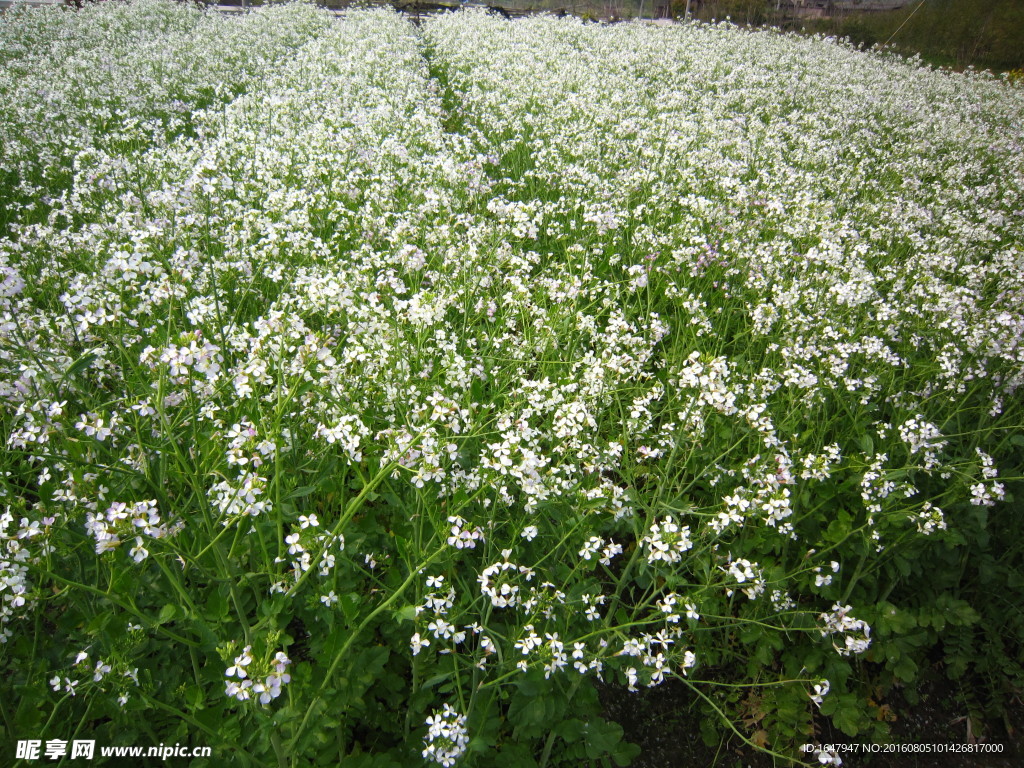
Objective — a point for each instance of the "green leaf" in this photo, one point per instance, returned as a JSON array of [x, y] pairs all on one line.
[[408, 613], [437, 679], [194, 697], [217, 606], [837, 531], [847, 718], [79, 365], [349, 606], [709, 731], [270, 608], [301, 492], [167, 613], [570, 730], [625, 753], [99, 622], [893, 621], [602, 738], [905, 669]]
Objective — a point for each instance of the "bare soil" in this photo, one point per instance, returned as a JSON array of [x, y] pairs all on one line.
[[664, 721]]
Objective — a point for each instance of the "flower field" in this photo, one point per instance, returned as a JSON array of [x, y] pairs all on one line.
[[372, 392]]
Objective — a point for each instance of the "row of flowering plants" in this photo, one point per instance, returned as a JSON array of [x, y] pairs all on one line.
[[838, 262], [83, 94], [389, 389]]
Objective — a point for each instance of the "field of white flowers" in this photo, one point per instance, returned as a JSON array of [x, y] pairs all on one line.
[[370, 391]]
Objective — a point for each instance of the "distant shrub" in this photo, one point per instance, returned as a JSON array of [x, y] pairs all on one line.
[[985, 34]]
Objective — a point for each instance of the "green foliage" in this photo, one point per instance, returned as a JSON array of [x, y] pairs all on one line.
[[380, 411], [985, 34], [746, 12]]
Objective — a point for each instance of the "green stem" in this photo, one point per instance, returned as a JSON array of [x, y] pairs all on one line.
[[214, 736], [353, 506], [125, 607], [783, 759], [550, 741], [343, 653], [177, 586], [275, 740], [856, 576], [81, 722]]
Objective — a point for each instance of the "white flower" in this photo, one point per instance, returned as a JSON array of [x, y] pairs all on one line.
[[441, 629], [100, 670], [241, 662], [462, 537], [667, 541], [829, 757], [447, 738], [631, 679], [821, 690], [856, 632], [592, 545], [138, 552], [417, 643]]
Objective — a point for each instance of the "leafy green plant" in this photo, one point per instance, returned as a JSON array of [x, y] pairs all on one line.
[[437, 376]]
